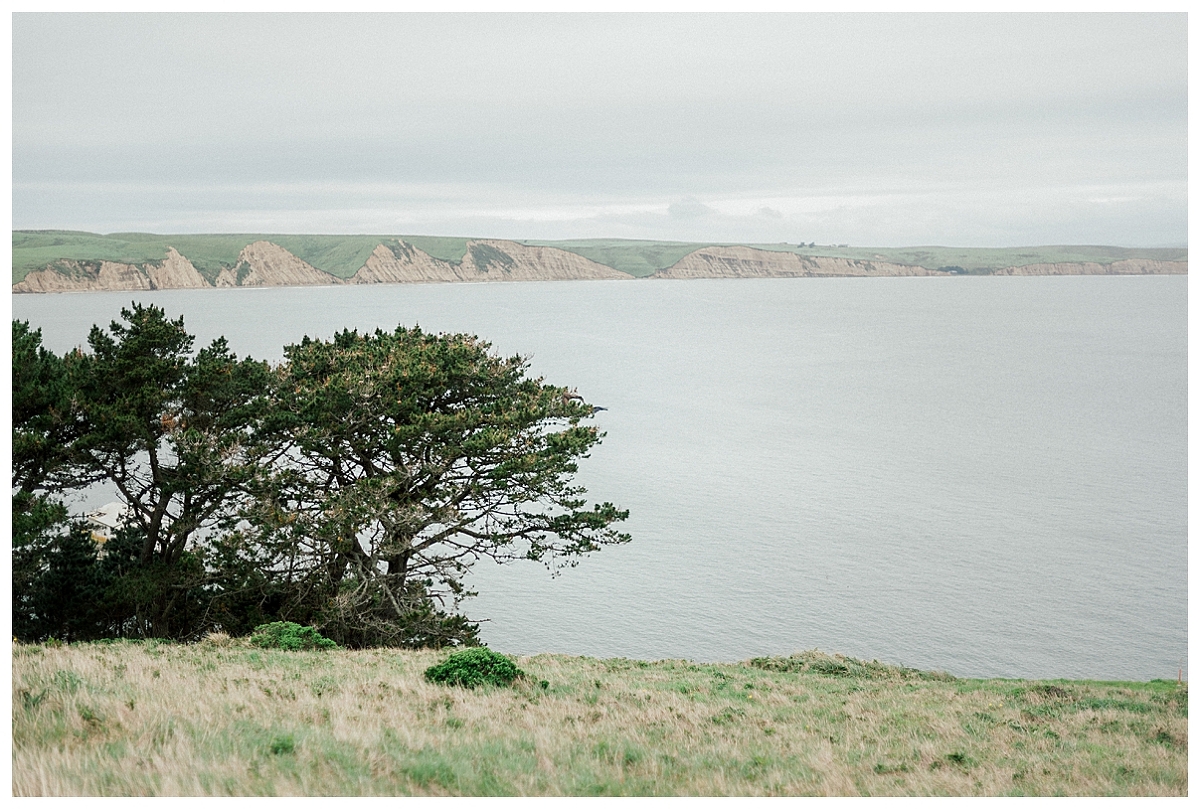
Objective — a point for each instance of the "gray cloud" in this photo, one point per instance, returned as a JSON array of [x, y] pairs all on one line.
[[908, 128], [690, 208]]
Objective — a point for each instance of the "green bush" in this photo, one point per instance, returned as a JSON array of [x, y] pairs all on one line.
[[472, 667], [289, 637]]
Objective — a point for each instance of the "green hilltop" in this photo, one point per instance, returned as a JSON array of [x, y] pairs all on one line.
[[343, 255], [209, 253]]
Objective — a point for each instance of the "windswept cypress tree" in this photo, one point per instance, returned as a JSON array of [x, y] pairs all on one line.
[[351, 487], [401, 459], [162, 426]]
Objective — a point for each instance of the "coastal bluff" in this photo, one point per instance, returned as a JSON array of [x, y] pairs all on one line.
[[67, 261], [485, 260], [265, 264], [748, 262]]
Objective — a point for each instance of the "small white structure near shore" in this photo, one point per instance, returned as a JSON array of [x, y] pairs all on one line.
[[105, 521]]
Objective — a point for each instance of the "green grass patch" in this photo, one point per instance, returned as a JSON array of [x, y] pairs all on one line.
[[636, 257], [446, 248]]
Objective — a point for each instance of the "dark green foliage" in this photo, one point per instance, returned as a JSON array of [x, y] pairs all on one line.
[[410, 457], [290, 637], [37, 524], [420, 623], [163, 427], [65, 600], [167, 429], [473, 667], [41, 419], [77, 594], [155, 599], [350, 488], [42, 430]]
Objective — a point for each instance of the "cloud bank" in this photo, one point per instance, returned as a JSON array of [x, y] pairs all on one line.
[[870, 129]]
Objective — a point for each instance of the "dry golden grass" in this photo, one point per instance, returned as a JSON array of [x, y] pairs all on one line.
[[219, 718]]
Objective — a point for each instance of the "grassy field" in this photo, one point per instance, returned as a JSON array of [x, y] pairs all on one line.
[[342, 256], [225, 719]]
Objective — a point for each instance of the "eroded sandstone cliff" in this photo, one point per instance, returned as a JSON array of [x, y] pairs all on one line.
[[265, 264], [174, 272], [749, 262], [485, 260], [1132, 266], [402, 263]]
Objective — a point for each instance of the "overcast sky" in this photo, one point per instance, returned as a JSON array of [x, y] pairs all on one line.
[[882, 130]]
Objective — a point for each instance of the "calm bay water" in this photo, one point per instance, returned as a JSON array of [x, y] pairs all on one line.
[[981, 475]]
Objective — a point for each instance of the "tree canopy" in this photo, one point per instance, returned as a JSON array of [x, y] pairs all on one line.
[[350, 487], [399, 459]]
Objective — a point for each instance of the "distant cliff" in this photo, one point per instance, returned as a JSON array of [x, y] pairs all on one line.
[[1132, 266], [747, 262], [174, 272], [265, 264], [261, 261], [485, 260]]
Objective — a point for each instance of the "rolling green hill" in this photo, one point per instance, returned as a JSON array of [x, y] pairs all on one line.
[[343, 255]]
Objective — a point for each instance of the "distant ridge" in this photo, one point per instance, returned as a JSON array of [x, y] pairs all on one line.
[[61, 261]]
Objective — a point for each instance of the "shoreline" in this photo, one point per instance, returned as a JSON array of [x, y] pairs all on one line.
[[616, 280]]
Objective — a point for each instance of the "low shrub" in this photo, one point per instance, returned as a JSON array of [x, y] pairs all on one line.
[[472, 667], [289, 637], [216, 639], [817, 662]]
